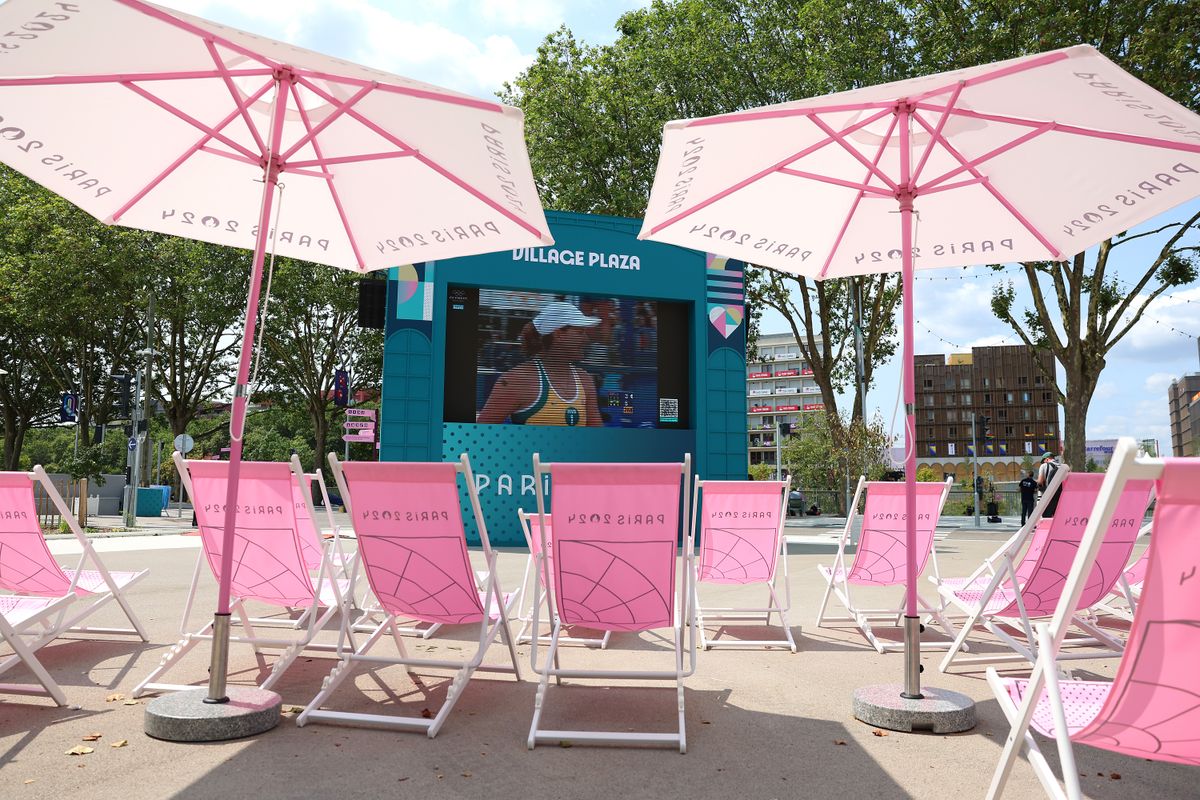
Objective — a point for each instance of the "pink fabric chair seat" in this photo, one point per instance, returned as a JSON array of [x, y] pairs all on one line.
[[16, 610], [1000, 600], [92, 582], [1082, 701], [327, 597]]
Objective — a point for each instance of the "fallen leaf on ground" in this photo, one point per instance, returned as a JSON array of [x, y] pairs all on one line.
[[114, 697], [79, 750], [564, 743], [402, 780], [839, 742], [1116, 776], [92, 737], [705, 722], [466, 774], [119, 743], [291, 709], [878, 732], [426, 713], [29, 781], [132, 703]]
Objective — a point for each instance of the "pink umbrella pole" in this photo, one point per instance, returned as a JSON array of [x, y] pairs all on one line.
[[912, 621], [241, 397]]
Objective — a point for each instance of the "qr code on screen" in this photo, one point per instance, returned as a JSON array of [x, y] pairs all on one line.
[[668, 409]]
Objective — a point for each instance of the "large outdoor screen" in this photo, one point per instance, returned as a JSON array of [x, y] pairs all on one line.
[[534, 358]]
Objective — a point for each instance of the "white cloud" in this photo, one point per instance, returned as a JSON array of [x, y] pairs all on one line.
[[544, 15], [1158, 382], [1105, 390]]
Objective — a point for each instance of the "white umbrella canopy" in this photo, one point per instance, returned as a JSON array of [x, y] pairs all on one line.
[[153, 119], [1039, 158], [150, 118], [1035, 158]]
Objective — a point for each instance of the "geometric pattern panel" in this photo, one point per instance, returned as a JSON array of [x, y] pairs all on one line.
[[411, 539], [740, 530], [268, 565], [616, 585], [26, 565], [882, 557]]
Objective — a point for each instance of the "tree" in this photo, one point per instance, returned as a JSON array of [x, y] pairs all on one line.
[[201, 292], [594, 117], [311, 332], [925, 474], [762, 472], [823, 455], [1081, 310]]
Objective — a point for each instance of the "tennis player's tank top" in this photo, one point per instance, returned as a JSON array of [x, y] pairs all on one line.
[[550, 408]]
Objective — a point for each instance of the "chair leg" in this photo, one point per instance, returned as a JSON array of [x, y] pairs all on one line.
[[25, 655], [824, 600]]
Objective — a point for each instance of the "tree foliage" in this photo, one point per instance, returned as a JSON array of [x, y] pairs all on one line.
[[825, 455]]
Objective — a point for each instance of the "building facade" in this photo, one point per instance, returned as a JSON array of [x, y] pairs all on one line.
[[1002, 383], [1180, 403], [779, 389]]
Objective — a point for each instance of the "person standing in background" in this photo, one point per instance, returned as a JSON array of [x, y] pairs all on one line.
[[1029, 487]]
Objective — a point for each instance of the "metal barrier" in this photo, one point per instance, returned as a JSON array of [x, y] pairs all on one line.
[[47, 511]]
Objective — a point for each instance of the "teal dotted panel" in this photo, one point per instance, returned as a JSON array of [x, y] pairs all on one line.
[[725, 403], [407, 423]]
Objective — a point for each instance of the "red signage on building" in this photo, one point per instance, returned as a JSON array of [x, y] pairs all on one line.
[[813, 406], [787, 408], [786, 373], [759, 409], [806, 371], [760, 374]]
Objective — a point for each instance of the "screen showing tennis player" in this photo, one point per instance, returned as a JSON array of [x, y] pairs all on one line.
[[534, 358]]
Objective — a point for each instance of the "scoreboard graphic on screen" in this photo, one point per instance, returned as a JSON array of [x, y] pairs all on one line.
[[597, 348]]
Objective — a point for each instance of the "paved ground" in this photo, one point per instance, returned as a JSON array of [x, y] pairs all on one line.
[[760, 724]]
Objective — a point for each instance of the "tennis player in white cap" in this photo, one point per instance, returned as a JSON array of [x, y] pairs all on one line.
[[548, 389]]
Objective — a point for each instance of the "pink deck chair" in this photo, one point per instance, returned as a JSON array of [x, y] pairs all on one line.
[[1151, 709], [1122, 600], [413, 548], [533, 540], [28, 568], [1010, 602], [741, 542], [880, 559], [615, 538], [23, 618], [268, 564]]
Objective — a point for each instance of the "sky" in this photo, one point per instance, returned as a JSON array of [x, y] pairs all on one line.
[[474, 46]]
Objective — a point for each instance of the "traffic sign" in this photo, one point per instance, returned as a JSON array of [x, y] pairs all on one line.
[[132, 443], [360, 412], [184, 443], [358, 437], [366, 425], [68, 407]]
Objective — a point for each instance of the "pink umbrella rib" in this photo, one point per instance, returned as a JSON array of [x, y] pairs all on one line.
[[840, 138], [325, 162], [1076, 130], [975, 162], [333, 116], [231, 156], [128, 77], [996, 74], [941, 124], [781, 113], [837, 243], [195, 123], [765, 172], [333, 192], [203, 140], [384, 86], [946, 187], [235, 94], [1004, 201], [426, 161], [862, 187]]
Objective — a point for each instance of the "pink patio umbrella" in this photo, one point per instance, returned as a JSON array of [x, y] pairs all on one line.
[[150, 118], [1035, 158]]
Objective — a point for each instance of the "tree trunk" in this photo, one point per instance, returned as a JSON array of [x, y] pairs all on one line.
[[1075, 407]]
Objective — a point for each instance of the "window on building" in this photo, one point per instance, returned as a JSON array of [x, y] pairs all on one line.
[[952, 416], [928, 401], [1047, 397], [928, 383], [1025, 414], [1008, 397], [951, 431], [987, 383], [964, 383], [1002, 413], [929, 416], [1037, 380], [949, 383], [966, 399], [1023, 380], [1008, 430], [949, 399], [1025, 397], [1029, 430], [987, 399], [1039, 413]]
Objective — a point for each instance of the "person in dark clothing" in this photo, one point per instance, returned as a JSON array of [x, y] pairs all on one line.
[[1028, 486], [1045, 475]]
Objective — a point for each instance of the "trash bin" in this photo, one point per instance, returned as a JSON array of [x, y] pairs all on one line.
[[149, 501], [166, 494]]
